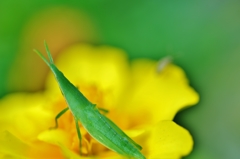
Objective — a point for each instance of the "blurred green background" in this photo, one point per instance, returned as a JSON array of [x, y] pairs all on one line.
[[202, 36]]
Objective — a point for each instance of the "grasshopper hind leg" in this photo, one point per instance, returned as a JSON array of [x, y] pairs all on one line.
[[104, 111], [79, 136]]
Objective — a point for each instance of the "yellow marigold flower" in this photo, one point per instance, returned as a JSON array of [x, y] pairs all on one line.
[[140, 100]]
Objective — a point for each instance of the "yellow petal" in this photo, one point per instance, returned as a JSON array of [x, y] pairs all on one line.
[[104, 67], [55, 137], [67, 153], [10, 146], [24, 114], [166, 140], [13, 147], [23, 117], [157, 95]]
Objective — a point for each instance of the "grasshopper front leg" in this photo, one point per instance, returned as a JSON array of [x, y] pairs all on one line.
[[57, 117], [77, 127]]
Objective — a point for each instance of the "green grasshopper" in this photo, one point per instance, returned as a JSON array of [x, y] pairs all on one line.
[[97, 125]]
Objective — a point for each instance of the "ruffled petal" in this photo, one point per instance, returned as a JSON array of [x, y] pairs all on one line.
[[24, 113], [12, 147], [104, 69], [157, 95], [166, 140]]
